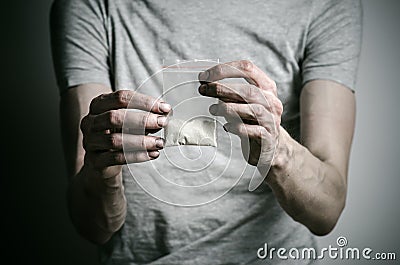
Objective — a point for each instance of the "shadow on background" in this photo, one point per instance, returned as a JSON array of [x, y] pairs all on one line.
[[33, 177]]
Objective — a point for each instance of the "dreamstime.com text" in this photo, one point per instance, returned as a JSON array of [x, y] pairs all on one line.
[[339, 252]]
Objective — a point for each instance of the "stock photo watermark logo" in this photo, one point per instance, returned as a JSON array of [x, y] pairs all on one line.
[[340, 251], [196, 174]]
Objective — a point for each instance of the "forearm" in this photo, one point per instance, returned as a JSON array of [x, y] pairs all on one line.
[[97, 206], [309, 183], [92, 117], [310, 190]]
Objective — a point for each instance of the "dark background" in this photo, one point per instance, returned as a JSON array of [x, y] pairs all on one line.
[[36, 221], [33, 178]]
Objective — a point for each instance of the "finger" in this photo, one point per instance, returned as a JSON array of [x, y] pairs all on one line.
[[241, 93], [251, 151], [119, 141], [233, 92], [239, 69], [126, 119], [112, 158], [247, 112], [243, 130], [127, 99]]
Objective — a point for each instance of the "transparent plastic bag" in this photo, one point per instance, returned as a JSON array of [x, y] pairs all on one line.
[[190, 122]]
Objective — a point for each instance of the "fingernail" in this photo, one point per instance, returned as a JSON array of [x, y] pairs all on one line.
[[202, 89], [213, 109], [161, 121], [154, 154], [159, 143], [164, 107], [203, 76]]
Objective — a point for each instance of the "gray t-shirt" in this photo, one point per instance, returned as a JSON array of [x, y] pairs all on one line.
[[121, 43]]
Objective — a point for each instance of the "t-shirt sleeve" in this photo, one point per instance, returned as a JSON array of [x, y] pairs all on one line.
[[79, 43], [333, 42]]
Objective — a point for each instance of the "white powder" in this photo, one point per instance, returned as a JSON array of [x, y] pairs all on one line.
[[199, 131]]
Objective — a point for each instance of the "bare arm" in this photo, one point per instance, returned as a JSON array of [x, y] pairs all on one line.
[[308, 179], [74, 106], [91, 120]]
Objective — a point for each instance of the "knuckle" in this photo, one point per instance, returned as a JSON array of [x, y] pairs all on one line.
[[115, 117], [115, 141], [88, 158], [268, 94], [227, 108], [279, 107], [269, 99], [144, 121], [242, 130], [251, 92], [148, 104], [273, 85], [101, 96], [84, 142], [94, 102], [258, 110], [148, 121], [219, 69], [122, 97], [219, 89], [143, 143], [84, 126], [136, 156], [118, 157], [247, 65], [261, 132], [147, 101]]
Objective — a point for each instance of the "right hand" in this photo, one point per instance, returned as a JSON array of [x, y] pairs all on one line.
[[104, 139]]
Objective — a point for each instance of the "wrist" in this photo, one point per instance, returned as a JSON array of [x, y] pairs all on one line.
[[97, 185], [282, 157]]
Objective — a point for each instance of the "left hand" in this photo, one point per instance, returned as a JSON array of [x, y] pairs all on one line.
[[253, 111]]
